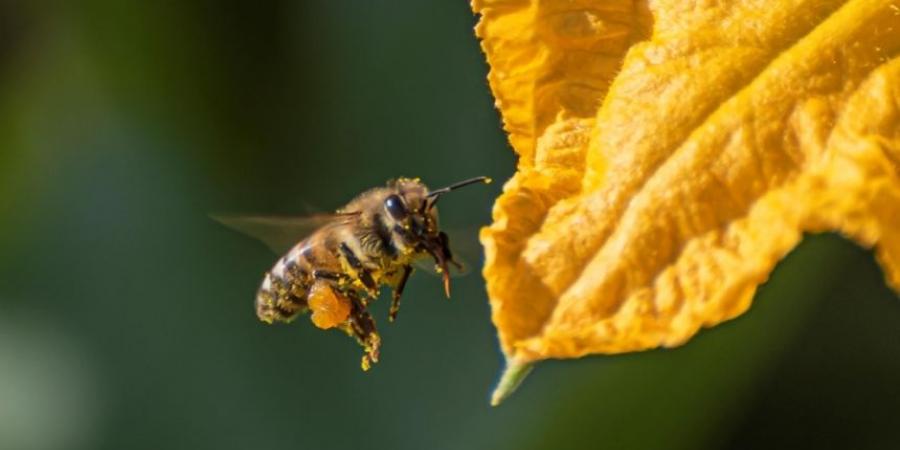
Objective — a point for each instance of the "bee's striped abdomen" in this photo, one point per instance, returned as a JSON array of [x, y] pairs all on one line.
[[282, 295]]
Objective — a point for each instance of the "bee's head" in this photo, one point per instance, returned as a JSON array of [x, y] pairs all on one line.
[[412, 218], [406, 206]]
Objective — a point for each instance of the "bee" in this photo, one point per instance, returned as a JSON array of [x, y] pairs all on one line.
[[336, 271]]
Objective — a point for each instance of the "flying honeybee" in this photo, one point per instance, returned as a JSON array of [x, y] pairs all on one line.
[[337, 269]]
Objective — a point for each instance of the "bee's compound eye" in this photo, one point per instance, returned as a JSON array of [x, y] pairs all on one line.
[[394, 206]]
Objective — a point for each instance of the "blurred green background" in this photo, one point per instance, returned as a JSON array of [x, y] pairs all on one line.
[[126, 317]]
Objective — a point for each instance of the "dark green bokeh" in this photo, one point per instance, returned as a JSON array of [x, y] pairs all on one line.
[[125, 314]]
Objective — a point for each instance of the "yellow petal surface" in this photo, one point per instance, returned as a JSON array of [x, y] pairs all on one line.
[[672, 152]]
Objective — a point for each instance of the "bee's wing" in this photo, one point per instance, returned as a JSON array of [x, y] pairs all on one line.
[[281, 233], [427, 265], [466, 251]]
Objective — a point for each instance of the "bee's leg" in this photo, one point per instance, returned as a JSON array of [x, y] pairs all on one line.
[[445, 247], [326, 275], [361, 271], [398, 291], [363, 329], [340, 281]]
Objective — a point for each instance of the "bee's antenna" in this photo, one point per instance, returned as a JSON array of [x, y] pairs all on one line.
[[444, 190], [435, 195]]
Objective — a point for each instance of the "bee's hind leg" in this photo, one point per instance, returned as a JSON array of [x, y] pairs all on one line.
[[361, 326], [398, 292]]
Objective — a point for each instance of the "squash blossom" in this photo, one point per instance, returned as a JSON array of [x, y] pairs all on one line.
[[671, 153]]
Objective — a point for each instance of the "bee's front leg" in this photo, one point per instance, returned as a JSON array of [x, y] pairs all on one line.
[[398, 291]]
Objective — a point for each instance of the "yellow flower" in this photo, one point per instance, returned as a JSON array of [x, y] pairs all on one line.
[[671, 155]]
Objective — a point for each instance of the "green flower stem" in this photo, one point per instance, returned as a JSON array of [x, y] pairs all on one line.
[[510, 380]]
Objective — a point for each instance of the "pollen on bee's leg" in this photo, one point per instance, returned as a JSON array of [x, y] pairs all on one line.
[[392, 313], [362, 327], [373, 343], [373, 346], [329, 309]]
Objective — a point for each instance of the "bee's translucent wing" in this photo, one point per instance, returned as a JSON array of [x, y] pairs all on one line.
[[427, 265], [466, 251], [280, 233]]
